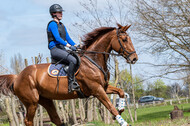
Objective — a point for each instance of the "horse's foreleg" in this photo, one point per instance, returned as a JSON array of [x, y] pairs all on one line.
[[49, 106], [114, 90], [102, 96]]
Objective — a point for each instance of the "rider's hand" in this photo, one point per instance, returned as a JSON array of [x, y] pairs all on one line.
[[73, 48], [78, 46]]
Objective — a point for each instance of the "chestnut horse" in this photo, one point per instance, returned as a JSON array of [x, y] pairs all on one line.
[[34, 86]]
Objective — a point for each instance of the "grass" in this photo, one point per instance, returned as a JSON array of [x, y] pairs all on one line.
[[151, 116], [4, 124], [158, 113], [155, 116]]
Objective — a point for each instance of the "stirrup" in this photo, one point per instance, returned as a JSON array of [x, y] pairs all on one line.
[[73, 87]]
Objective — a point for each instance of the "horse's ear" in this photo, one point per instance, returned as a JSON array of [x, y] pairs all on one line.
[[127, 27], [119, 26]]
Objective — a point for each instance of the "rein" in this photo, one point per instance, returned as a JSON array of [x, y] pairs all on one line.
[[105, 53], [95, 52]]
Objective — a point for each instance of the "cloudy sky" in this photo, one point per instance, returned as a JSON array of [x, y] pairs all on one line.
[[23, 26]]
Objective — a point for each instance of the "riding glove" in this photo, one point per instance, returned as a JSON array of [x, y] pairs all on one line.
[[73, 48], [78, 47]]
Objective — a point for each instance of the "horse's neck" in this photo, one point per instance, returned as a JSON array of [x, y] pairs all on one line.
[[101, 45]]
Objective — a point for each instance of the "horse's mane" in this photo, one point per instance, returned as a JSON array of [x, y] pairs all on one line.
[[91, 37]]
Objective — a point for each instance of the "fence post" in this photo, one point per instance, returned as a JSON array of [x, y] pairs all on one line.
[[26, 62], [41, 116], [9, 112], [187, 99], [73, 111], [47, 59], [82, 111], [153, 103], [63, 112], [95, 108], [15, 117], [170, 101], [21, 118], [90, 110]]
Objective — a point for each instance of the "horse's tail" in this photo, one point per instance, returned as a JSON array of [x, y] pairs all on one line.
[[6, 82]]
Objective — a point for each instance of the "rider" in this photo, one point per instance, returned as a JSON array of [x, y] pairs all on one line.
[[57, 37]]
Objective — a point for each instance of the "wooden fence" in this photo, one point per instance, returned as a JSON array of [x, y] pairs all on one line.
[[165, 102], [71, 112]]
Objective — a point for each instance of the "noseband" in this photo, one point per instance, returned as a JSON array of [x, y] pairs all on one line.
[[122, 53]]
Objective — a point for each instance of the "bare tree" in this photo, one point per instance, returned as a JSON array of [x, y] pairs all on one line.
[[164, 26], [95, 15], [17, 63], [175, 89], [3, 69]]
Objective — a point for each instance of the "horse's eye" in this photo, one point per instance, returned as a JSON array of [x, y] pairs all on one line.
[[125, 40]]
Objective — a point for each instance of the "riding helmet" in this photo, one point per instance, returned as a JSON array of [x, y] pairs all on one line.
[[55, 8]]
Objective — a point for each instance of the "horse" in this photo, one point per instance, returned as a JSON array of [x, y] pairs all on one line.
[[34, 86]]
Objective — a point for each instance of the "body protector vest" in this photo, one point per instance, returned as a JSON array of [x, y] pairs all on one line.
[[61, 30]]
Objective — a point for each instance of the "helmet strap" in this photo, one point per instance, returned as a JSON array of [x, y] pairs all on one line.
[[55, 16]]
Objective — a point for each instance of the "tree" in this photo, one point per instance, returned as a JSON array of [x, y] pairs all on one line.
[[3, 69], [95, 15], [160, 88], [157, 88], [125, 81], [187, 82], [17, 63], [150, 89], [164, 25]]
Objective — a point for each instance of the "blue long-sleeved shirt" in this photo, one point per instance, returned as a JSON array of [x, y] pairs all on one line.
[[52, 27]]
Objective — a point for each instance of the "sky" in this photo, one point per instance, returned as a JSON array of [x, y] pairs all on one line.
[[23, 29], [23, 26]]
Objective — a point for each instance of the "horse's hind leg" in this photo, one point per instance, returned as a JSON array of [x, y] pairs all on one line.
[[102, 96], [114, 90], [50, 108], [31, 109]]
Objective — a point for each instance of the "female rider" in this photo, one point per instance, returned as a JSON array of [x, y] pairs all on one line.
[[58, 38]]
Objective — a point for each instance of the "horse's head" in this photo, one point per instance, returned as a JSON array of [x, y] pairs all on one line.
[[123, 45]]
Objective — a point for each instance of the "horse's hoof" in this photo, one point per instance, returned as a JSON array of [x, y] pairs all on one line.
[[62, 124]]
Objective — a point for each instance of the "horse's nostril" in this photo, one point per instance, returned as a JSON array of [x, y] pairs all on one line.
[[135, 59]]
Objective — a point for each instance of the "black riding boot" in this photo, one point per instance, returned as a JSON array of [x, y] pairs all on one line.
[[73, 85]]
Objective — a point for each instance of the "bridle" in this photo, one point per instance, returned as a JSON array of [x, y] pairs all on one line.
[[122, 53]]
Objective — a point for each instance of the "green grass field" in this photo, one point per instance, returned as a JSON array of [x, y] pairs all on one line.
[[155, 116], [151, 116]]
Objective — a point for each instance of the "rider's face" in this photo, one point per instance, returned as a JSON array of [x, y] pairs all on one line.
[[59, 15]]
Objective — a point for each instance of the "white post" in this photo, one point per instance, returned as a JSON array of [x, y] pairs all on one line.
[[170, 102], [153, 103], [137, 105]]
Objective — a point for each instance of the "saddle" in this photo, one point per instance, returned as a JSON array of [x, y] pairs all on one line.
[[60, 69]]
